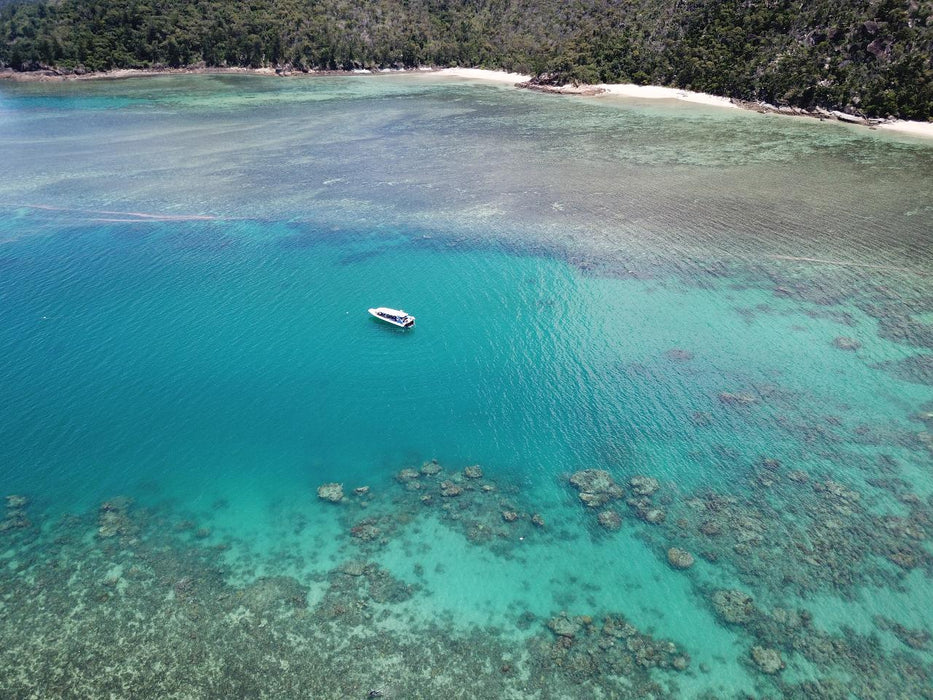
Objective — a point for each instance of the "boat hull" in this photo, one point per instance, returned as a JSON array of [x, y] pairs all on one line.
[[394, 317]]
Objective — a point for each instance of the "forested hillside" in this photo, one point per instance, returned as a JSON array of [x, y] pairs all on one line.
[[870, 57]]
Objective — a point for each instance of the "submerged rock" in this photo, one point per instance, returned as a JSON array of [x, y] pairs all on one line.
[[509, 516], [407, 474], [14, 502], [610, 519], [740, 399], [537, 520], [679, 355], [353, 568], [365, 530], [332, 492], [596, 487], [767, 660], [113, 518], [592, 480], [564, 626], [655, 516], [916, 368], [593, 500], [15, 520], [450, 489], [473, 472], [430, 468], [735, 607], [770, 463], [679, 558], [844, 343], [643, 485]]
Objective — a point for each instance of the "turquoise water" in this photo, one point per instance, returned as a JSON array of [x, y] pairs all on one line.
[[733, 304]]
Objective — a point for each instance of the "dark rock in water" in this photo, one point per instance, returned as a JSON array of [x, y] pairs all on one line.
[[14, 502], [15, 520], [917, 369], [361, 490], [735, 607], [767, 660], [353, 568], [273, 592], [643, 485], [905, 329], [408, 474], [537, 520], [679, 355], [740, 399], [509, 516], [771, 464], [914, 638], [592, 480], [473, 472], [610, 520], [365, 530], [798, 476], [430, 468], [655, 516], [679, 558], [526, 620], [332, 493], [596, 487], [564, 626], [594, 500], [844, 343], [450, 489], [113, 518]]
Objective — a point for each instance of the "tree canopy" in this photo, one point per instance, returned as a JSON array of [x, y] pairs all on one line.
[[870, 57]]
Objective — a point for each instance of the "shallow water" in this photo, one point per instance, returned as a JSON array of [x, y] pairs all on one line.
[[734, 304]]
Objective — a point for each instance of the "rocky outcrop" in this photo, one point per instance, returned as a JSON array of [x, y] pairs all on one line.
[[609, 519], [595, 487], [768, 661], [332, 492], [679, 558], [734, 607]]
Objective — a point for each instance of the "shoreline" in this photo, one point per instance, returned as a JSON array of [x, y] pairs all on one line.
[[656, 92], [916, 129]]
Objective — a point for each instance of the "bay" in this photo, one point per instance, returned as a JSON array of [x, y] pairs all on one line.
[[736, 305]]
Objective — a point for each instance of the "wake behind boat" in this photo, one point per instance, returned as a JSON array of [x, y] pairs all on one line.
[[393, 316]]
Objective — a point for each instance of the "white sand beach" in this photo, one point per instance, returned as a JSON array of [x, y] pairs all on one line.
[[922, 129], [655, 92], [496, 76]]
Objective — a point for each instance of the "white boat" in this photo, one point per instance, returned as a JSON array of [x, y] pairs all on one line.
[[393, 316]]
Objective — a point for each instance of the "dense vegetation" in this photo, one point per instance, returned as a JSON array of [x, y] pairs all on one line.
[[870, 57]]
